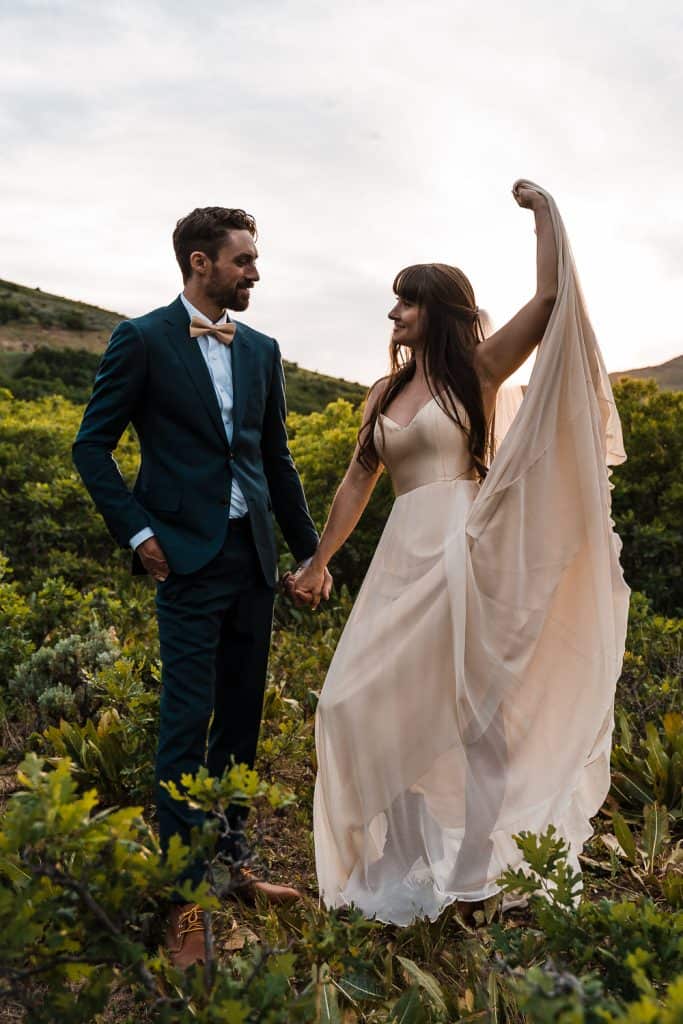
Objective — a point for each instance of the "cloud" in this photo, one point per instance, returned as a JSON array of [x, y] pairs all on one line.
[[363, 137]]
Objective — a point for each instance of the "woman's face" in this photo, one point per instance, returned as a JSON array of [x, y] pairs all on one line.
[[407, 320]]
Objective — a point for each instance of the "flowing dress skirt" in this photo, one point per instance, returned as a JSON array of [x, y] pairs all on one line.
[[471, 693]]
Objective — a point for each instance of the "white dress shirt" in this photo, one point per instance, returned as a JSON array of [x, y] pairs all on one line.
[[218, 359]]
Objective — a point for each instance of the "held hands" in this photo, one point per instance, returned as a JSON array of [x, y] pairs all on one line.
[[307, 586], [153, 559]]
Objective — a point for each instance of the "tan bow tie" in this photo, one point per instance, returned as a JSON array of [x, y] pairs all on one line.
[[224, 332]]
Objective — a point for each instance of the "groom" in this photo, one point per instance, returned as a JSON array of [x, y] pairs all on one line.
[[206, 397]]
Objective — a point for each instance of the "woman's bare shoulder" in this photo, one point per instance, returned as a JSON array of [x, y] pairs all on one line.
[[379, 387], [375, 394]]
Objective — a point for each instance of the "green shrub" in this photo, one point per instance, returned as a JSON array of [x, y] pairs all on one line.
[[15, 615], [10, 309], [648, 492], [47, 519], [69, 372], [648, 769], [57, 702], [71, 662], [80, 897], [114, 752], [628, 942], [74, 320], [651, 682], [322, 445]]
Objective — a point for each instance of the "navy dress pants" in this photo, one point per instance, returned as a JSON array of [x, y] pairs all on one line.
[[214, 635]]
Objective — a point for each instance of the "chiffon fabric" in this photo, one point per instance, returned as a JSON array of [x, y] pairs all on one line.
[[471, 693]]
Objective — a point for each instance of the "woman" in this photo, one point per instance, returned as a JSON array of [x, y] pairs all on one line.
[[471, 694]]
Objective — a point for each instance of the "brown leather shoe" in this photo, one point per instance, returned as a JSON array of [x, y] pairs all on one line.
[[185, 935], [246, 886]]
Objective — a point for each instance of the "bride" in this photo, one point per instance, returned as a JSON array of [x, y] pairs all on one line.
[[471, 694]]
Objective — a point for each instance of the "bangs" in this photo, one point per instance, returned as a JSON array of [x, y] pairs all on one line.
[[409, 284]]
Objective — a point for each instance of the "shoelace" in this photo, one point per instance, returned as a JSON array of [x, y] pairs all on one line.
[[190, 921]]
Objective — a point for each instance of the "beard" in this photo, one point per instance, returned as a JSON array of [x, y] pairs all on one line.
[[229, 296]]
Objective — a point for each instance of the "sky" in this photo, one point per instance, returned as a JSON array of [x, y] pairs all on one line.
[[363, 137]]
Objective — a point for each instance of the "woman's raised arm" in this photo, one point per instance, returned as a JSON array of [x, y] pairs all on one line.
[[504, 352]]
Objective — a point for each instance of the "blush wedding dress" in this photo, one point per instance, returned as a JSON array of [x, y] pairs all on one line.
[[471, 693]]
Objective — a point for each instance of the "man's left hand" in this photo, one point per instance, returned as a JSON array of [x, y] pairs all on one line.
[[308, 586]]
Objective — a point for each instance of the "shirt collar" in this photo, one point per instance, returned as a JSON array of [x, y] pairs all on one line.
[[193, 311]]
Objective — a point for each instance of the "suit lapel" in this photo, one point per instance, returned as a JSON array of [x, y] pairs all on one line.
[[241, 370], [187, 348]]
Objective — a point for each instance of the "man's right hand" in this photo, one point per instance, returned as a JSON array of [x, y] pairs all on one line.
[[153, 559]]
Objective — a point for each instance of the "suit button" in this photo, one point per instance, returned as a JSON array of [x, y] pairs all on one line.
[[225, 502], [231, 456]]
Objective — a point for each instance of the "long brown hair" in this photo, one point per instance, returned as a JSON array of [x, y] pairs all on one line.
[[452, 331]]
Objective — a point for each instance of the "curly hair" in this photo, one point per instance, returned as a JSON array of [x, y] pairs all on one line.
[[205, 230]]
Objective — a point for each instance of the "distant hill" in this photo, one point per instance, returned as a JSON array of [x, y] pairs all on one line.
[[669, 375], [31, 319]]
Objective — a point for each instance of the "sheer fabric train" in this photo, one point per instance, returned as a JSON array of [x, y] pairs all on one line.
[[471, 694]]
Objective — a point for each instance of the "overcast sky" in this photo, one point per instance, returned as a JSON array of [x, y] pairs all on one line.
[[363, 137]]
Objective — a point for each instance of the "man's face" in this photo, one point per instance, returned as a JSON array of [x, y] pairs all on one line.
[[229, 278]]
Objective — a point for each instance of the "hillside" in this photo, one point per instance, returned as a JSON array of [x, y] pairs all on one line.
[[31, 319], [669, 375]]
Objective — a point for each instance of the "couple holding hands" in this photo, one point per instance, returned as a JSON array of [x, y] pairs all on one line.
[[470, 651]]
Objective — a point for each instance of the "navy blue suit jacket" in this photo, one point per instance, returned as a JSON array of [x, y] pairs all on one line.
[[153, 375]]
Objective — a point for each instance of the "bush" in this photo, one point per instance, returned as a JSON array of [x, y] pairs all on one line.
[[114, 751], [72, 663], [629, 944], [322, 445], [651, 682], [80, 895], [10, 309], [74, 320], [47, 519], [57, 702], [71, 368], [648, 769], [648, 492], [15, 614]]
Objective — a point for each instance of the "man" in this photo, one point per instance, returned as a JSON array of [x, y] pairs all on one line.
[[206, 398]]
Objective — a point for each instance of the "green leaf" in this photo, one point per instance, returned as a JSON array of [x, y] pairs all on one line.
[[426, 981], [624, 731], [327, 1002], [655, 832], [409, 1009], [360, 986], [624, 836], [657, 759], [177, 855], [673, 725], [233, 1012], [542, 852]]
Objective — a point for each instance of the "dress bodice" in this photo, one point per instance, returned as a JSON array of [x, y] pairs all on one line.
[[430, 448]]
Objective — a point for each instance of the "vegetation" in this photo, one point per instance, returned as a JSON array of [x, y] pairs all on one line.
[[83, 888], [52, 346], [35, 308], [648, 493]]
